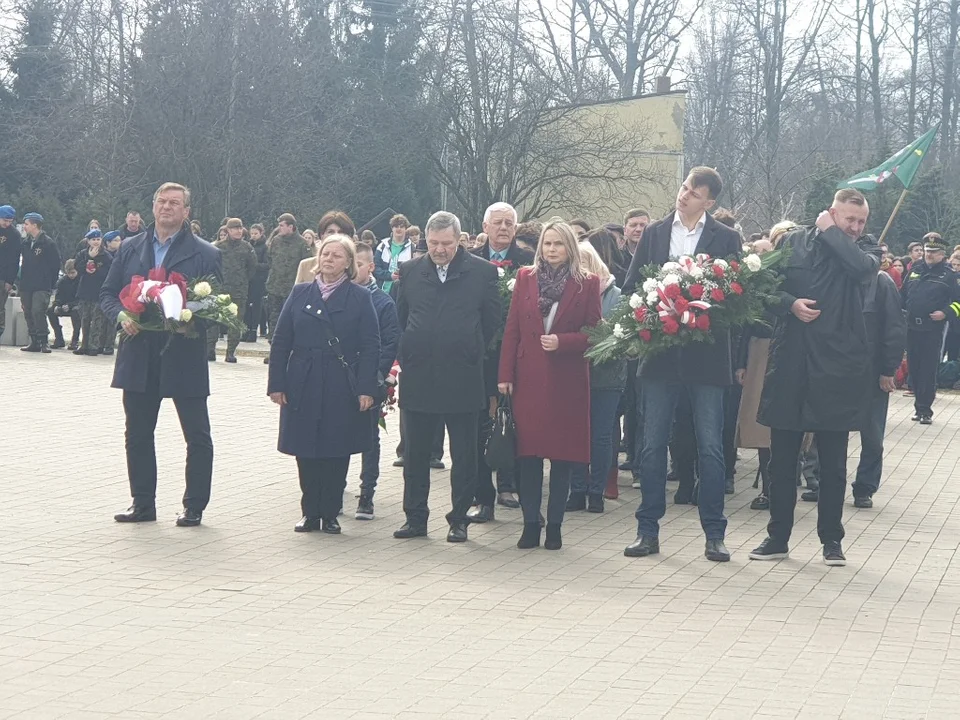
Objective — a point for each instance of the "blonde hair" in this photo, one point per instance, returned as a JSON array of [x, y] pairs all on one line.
[[174, 186], [570, 244], [593, 263], [348, 247], [779, 230]]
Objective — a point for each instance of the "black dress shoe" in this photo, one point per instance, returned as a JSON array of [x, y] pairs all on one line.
[[57, 344], [107, 351], [863, 501], [483, 513], [266, 360], [45, 349], [810, 495], [553, 541], [530, 538], [137, 513], [625, 466], [760, 502], [189, 518], [925, 420], [230, 358], [577, 501], [307, 524], [716, 551], [458, 533], [437, 464], [595, 503], [331, 527], [916, 417], [398, 462], [410, 531], [79, 351], [508, 500], [32, 347], [93, 352], [641, 547]]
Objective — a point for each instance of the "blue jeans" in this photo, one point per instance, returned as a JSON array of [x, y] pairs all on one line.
[[603, 420], [370, 461], [871, 446], [659, 402]]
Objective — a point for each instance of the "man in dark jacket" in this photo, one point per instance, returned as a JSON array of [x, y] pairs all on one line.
[[258, 285], [38, 278], [66, 304], [816, 377], [930, 296], [150, 366], [700, 372], [449, 310], [886, 337], [132, 226], [389, 337], [500, 227], [10, 242]]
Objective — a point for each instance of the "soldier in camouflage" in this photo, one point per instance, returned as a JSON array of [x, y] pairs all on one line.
[[239, 266], [285, 248]]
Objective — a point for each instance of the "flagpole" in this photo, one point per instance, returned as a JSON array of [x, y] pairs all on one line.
[[896, 209]]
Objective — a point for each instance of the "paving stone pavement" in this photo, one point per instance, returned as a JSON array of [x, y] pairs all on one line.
[[241, 618]]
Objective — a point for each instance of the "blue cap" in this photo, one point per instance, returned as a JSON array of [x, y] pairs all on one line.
[[34, 216], [95, 233], [112, 235], [7, 213]]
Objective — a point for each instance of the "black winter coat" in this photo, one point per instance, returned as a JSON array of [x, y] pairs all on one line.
[[67, 292], [817, 375], [697, 363], [446, 328], [389, 329], [10, 244], [40, 265], [90, 283], [886, 326], [182, 367], [258, 285]]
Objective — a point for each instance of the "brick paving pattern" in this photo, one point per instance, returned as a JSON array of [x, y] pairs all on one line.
[[242, 618]]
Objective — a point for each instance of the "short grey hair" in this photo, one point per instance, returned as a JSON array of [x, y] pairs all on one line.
[[442, 220], [499, 207]]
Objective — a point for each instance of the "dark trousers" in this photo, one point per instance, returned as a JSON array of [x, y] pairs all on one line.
[[731, 408], [592, 479], [923, 358], [94, 324], [683, 445], [486, 492], [141, 411], [784, 465], [530, 482], [763, 457], [370, 460], [421, 429], [35, 304], [951, 345], [871, 445], [630, 408], [322, 481], [54, 319], [436, 447], [254, 312]]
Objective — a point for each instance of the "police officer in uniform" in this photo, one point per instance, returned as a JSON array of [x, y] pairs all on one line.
[[930, 295]]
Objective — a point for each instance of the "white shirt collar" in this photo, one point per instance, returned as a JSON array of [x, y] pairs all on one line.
[[699, 224]]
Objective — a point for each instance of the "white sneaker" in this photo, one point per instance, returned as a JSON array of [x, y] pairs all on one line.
[[636, 483]]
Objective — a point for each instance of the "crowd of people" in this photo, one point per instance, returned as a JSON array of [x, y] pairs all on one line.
[[348, 317]]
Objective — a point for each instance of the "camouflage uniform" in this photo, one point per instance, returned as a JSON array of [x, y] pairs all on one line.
[[239, 265], [285, 252]]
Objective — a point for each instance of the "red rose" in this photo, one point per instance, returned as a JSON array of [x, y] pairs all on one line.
[[696, 291], [703, 322], [736, 288], [670, 326], [91, 266], [640, 314], [672, 291], [716, 295], [681, 304], [735, 266], [645, 335], [718, 271]]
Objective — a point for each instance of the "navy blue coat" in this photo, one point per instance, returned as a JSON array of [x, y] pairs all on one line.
[[182, 367], [389, 328], [322, 418]]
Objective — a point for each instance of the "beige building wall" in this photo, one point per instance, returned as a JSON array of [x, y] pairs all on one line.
[[641, 166]]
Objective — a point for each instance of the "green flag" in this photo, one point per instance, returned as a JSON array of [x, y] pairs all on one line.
[[903, 165]]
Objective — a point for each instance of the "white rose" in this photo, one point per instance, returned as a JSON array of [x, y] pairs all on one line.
[[696, 272], [652, 298], [511, 283], [186, 315], [721, 263], [618, 332], [635, 301], [649, 285], [753, 262], [671, 267], [671, 279], [500, 272], [202, 289], [232, 309]]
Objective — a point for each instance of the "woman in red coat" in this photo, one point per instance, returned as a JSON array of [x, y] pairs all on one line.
[[543, 368]]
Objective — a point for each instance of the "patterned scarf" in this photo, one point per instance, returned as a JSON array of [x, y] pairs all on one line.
[[551, 283], [326, 289]]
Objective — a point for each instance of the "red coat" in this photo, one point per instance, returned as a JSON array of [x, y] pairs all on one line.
[[551, 390]]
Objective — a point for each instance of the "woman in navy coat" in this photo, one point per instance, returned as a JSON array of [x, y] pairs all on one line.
[[323, 375]]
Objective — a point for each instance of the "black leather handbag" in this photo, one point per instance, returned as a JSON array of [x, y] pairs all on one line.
[[501, 450]]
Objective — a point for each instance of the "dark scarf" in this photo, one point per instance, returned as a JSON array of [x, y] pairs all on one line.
[[551, 283]]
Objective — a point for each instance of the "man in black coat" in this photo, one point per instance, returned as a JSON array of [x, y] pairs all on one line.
[[148, 369], [449, 310], [258, 285], [500, 226], [39, 272], [10, 242], [886, 338], [699, 372], [818, 377]]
